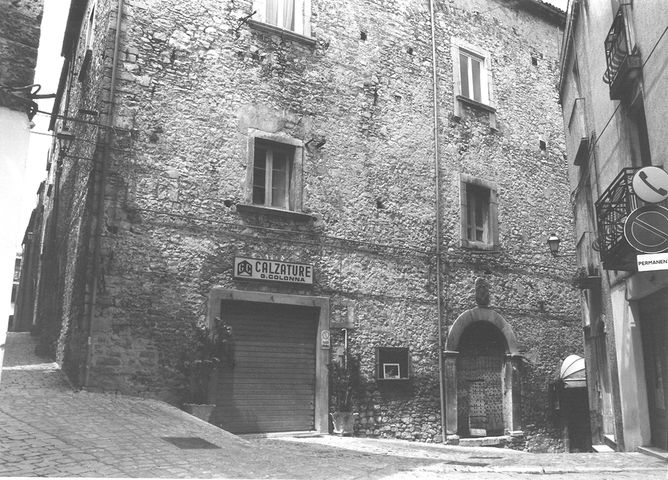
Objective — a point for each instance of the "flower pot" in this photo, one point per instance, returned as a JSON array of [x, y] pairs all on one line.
[[201, 411], [344, 422]]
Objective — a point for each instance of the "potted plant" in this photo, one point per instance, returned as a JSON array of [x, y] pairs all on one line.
[[344, 383], [585, 280], [207, 347]]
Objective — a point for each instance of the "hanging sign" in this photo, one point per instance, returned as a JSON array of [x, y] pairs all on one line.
[[272, 270], [646, 229], [651, 184]]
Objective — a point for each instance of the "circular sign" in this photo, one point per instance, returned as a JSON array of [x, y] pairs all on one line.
[[646, 229], [651, 184]]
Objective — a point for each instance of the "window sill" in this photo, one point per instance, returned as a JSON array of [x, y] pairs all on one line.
[[487, 247], [402, 379], [245, 208], [475, 104], [265, 27]]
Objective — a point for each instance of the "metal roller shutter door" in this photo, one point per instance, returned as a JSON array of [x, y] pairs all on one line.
[[271, 385]]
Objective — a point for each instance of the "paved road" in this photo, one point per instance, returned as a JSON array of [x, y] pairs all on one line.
[[48, 429]]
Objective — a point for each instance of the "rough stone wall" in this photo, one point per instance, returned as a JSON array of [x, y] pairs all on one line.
[[194, 80], [19, 39]]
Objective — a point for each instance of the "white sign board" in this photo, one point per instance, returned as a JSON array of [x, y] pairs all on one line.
[[652, 261], [272, 270], [651, 184]]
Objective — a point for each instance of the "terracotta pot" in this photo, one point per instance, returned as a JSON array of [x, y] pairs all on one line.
[[201, 411], [344, 422]]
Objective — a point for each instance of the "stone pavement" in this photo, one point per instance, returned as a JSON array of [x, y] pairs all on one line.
[[49, 429]]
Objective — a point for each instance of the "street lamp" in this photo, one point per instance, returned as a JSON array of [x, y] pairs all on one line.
[[553, 242]]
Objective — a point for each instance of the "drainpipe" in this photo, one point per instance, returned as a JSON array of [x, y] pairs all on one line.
[[437, 207], [97, 235]]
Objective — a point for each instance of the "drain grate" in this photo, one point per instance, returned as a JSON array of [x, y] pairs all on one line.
[[190, 443]]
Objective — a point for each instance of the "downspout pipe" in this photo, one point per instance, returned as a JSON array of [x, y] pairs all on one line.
[[437, 223], [99, 208]]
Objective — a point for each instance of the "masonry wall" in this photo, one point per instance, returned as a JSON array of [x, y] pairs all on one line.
[[195, 82]]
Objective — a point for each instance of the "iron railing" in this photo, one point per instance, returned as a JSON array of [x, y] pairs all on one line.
[[612, 208], [622, 58]]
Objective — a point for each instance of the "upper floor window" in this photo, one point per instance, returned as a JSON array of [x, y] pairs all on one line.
[[274, 178], [272, 167], [472, 79], [90, 28], [291, 15], [479, 213]]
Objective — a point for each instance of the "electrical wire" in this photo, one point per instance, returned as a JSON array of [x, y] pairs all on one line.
[[642, 67]]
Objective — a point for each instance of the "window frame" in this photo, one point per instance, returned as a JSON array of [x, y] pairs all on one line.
[[302, 18], [486, 103], [490, 239], [393, 356], [295, 152]]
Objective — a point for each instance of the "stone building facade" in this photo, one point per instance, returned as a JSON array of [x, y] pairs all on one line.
[[611, 90], [377, 159]]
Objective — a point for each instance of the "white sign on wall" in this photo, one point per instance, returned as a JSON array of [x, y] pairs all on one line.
[[272, 270], [652, 261]]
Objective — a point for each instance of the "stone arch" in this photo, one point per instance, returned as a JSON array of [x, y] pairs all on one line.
[[509, 372], [477, 315]]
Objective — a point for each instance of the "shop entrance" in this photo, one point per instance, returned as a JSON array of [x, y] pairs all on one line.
[[653, 318]]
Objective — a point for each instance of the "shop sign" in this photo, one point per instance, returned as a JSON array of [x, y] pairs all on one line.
[[656, 261], [272, 270]]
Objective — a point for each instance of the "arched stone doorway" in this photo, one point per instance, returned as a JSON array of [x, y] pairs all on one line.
[[481, 375]]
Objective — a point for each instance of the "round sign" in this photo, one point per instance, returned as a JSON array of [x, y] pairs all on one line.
[[651, 184], [646, 229]]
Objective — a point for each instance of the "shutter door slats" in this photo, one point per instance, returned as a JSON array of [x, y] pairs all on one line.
[[271, 387]]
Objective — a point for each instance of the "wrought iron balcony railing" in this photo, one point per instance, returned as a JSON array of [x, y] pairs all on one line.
[[612, 208], [622, 57]]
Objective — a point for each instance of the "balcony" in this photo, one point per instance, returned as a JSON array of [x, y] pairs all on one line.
[[612, 208], [623, 61], [577, 142]]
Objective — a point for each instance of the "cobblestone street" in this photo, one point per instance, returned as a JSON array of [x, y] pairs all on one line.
[[48, 429]]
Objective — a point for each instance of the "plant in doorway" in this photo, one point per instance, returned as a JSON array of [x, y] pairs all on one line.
[[207, 347], [344, 384]]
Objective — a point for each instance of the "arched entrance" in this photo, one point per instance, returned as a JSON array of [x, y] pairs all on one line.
[[481, 375]]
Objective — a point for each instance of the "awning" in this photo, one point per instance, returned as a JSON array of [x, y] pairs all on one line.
[[573, 373]]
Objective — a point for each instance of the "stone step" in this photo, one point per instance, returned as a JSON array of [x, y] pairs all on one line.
[[654, 452], [602, 449]]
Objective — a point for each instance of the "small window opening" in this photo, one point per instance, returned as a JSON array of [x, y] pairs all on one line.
[[542, 145], [534, 61], [362, 35]]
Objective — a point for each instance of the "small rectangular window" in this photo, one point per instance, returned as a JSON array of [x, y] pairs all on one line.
[[471, 70], [290, 15], [479, 212], [392, 363], [281, 13], [272, 168]]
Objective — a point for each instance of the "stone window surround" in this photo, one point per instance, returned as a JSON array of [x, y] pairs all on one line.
[[218, 294], [456, 45], [296, 181], [493, 216], [301, 34]]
